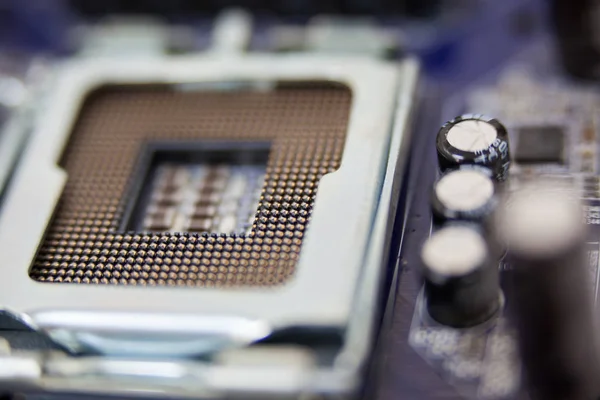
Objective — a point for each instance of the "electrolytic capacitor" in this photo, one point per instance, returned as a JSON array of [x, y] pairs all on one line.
[[461, 282], [550, 292], [464, 194], [575, 26], [474, 139]]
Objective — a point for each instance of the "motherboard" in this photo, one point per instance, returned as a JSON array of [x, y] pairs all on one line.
[[553, 134], [219, 209]]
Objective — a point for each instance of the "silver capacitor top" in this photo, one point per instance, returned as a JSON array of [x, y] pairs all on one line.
[[461, 281], [464, 194]]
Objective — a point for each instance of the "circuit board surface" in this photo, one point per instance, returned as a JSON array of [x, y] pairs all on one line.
[[553, 129]]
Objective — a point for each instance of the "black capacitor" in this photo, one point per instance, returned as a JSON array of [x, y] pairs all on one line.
[[550, 297], [474, 140], [464, 194], [576, 27], [461, 282]]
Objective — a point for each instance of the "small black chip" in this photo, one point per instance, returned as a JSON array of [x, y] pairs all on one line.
[[540, 145]]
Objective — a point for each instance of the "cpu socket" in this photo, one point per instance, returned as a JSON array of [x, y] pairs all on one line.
[[170, 217]]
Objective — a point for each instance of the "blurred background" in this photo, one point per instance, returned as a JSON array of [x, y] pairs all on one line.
[[461, 43], [458, 41]]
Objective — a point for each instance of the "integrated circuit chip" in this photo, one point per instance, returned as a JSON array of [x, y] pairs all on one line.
[[540, 145]]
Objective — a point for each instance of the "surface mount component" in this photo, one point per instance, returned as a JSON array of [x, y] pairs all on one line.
[[203, 194], [538, 145], [193, 206], [473, 139]]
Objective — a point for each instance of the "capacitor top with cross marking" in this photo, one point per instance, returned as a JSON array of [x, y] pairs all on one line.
[[474, 139]]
